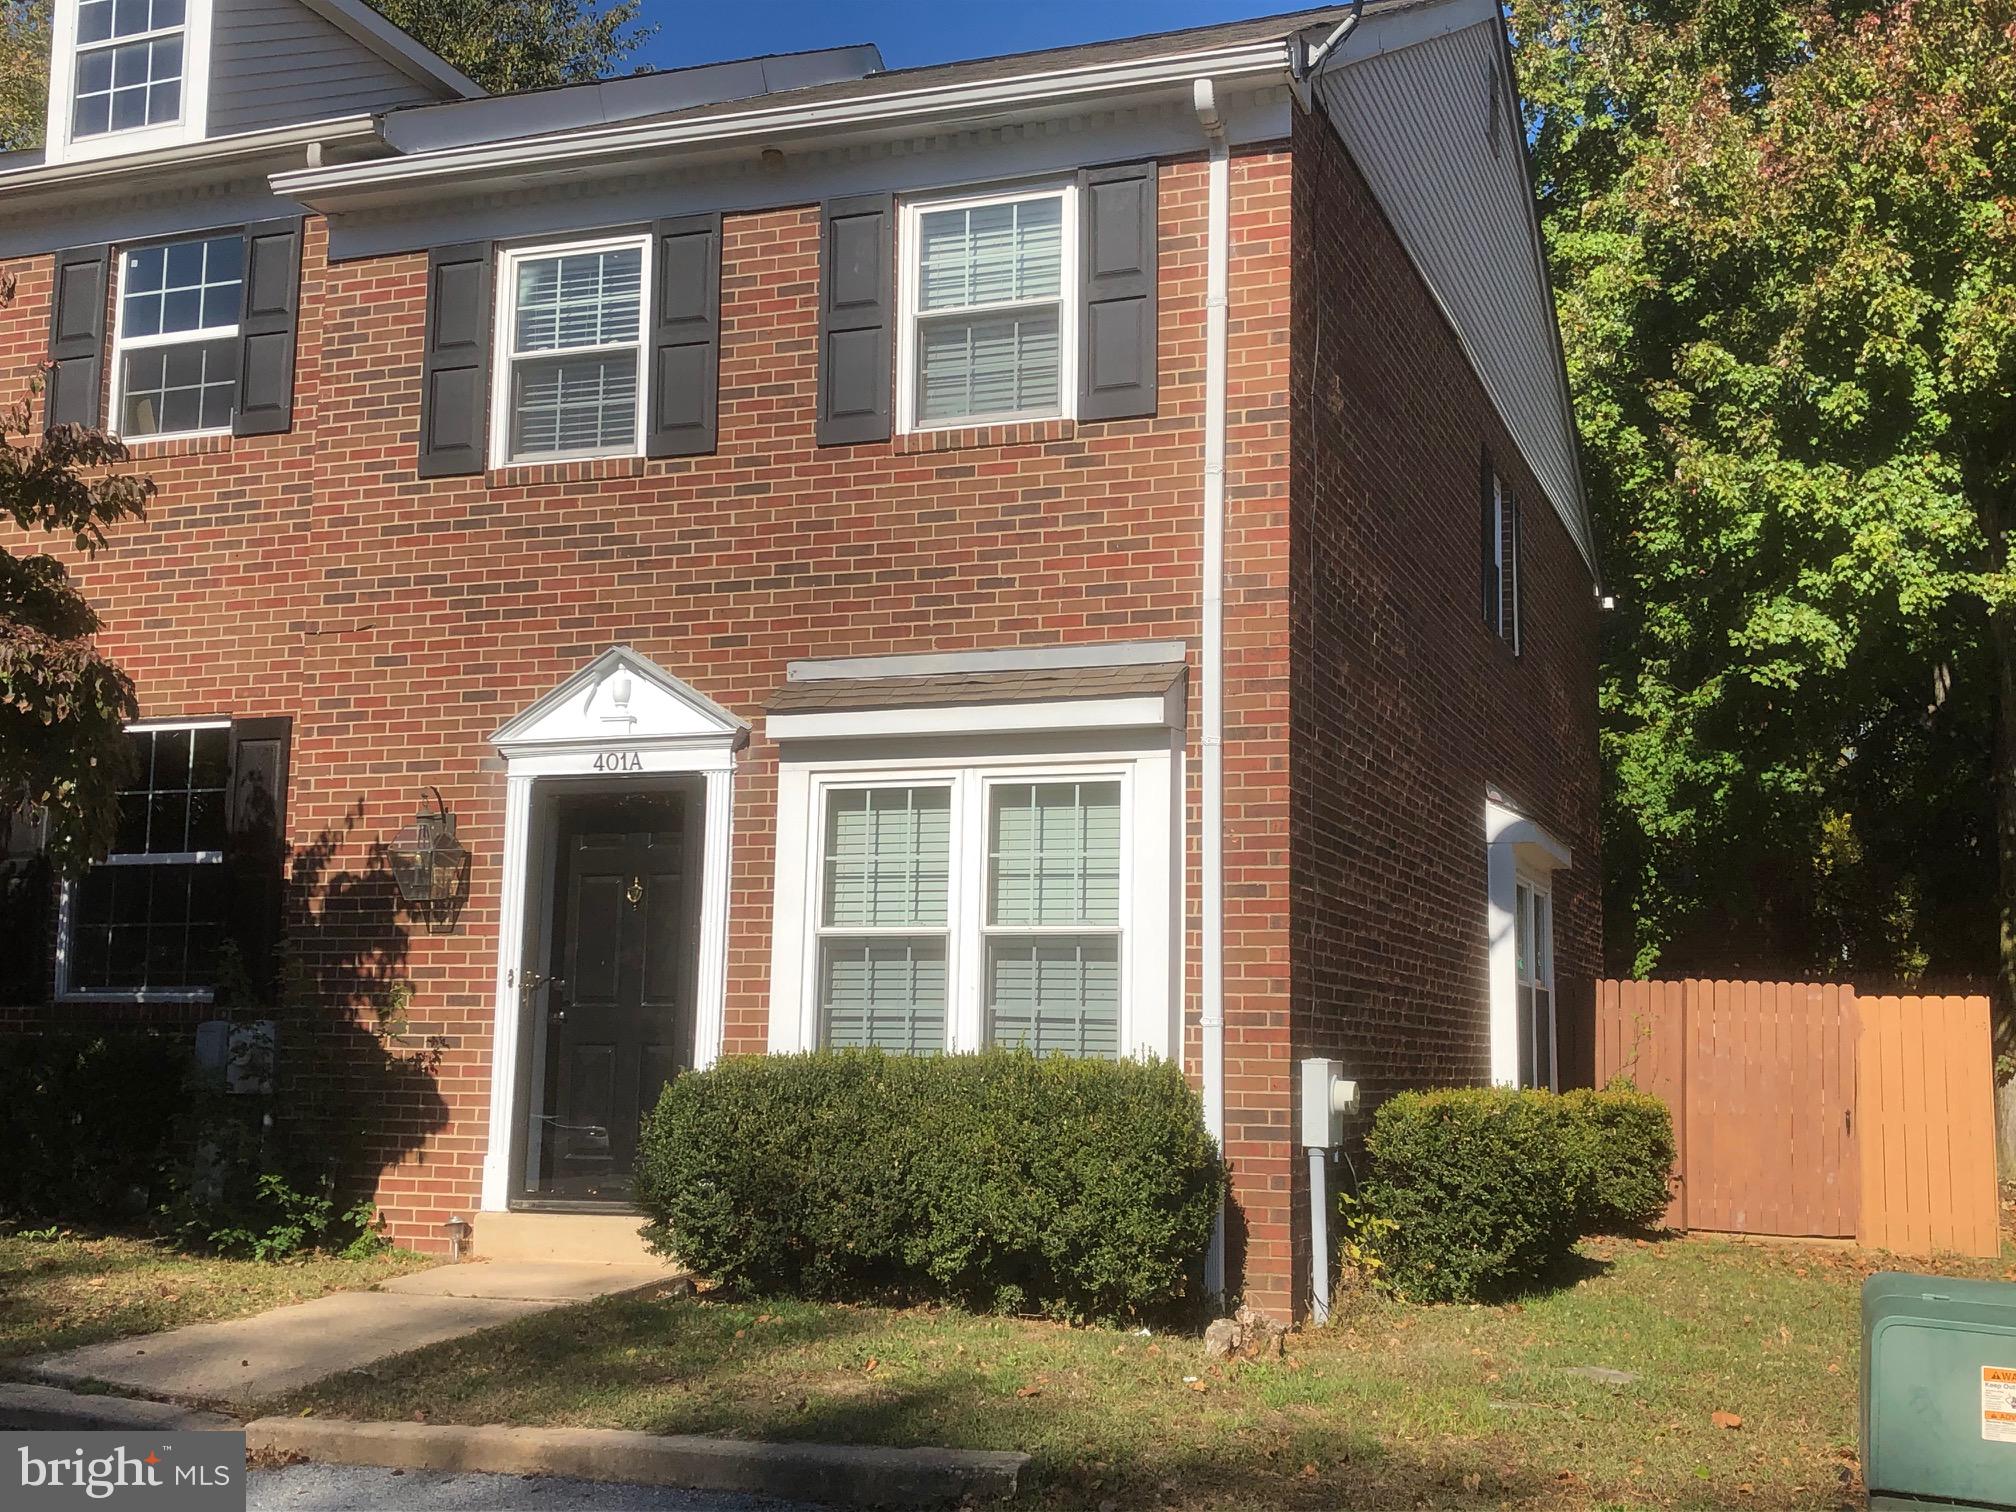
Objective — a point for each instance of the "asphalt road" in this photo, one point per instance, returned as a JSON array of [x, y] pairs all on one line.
[[349, 1488]]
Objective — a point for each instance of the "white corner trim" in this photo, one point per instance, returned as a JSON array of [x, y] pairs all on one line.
[[1515, 848], [1141, 711]]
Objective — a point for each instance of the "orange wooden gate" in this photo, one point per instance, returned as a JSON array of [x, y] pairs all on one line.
[[1799, 1110]]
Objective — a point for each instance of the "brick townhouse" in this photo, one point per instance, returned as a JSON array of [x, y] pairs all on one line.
[[1081, 549]]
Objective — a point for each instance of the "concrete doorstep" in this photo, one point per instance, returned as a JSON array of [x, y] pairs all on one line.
[[804, 1472]]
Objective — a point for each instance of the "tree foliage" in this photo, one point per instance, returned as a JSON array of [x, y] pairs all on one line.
[[508, 45], [1783, 237], [63, 705]]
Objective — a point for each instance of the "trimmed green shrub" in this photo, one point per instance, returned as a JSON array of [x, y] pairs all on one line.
[[1621, 1141], [1000, 1181], [1471, 1192], [86, 1122]]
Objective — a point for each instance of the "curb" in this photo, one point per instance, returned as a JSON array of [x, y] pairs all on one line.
[[805, 1472], [24, 1406]]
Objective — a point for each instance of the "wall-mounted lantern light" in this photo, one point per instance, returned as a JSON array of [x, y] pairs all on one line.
[[428, 863]]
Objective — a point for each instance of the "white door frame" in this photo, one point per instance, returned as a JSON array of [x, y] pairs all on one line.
[[620, 719]]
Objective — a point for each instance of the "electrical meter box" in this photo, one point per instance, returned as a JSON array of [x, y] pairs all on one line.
[[1938, 1392]]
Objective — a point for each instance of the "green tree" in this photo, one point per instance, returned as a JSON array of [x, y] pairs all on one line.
[[63, 705], [24, 72], [504, 45], [508, 45], [1783, 237]]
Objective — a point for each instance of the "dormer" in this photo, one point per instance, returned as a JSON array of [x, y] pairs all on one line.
[[127, 75], [134, 76]]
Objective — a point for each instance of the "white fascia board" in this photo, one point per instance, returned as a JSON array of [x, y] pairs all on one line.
[[145, 169], [1007, 659], [1141, 711], [1388, 28], [960, 103], [395, 45]]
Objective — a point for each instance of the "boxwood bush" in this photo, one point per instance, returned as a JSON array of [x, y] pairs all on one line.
[[1621, 1141], [1471, 1192], [1073, 1188]]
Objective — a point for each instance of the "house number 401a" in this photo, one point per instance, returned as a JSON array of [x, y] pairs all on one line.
[[619, 761]]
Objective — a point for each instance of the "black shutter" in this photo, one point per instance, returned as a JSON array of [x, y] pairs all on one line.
[[455, 380], [856, 305], [685, 337], [74, 395], [255, 814], [266, 329], [1487, 537], [1116, 322]]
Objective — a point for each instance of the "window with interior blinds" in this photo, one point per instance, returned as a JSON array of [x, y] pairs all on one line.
[[989, 288], [883, 916], [1053, 917]]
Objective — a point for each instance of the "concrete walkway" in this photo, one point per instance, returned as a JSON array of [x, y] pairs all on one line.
[[248, 1359]]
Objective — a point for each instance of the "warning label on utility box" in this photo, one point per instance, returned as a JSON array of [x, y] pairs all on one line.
[[1998, 1404]]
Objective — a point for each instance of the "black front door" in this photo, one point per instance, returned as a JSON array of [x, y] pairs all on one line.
[[619, 1001]]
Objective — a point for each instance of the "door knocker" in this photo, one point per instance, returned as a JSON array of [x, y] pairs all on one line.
[[635, 891]]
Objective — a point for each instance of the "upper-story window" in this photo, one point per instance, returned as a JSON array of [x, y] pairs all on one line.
[[571, 323], [130, 56], [988, 308], [127, 75], [175, 367]]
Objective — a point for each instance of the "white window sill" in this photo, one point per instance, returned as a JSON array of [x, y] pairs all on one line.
[[109, 995]]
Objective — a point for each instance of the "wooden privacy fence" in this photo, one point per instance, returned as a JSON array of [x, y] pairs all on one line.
[[1800, 1109]]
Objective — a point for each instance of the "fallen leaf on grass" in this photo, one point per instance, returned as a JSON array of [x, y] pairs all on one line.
[[1028, 1391], [1723, 1419]]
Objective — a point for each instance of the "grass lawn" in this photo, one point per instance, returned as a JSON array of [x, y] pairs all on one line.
[[1396, 1407], [79, 1288]]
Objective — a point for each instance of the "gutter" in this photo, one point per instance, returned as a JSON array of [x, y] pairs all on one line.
[[125, 171], [1217, 297], [958, 104]]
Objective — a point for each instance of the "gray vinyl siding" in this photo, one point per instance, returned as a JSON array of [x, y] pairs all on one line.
[[1420, 124], [275, 63]]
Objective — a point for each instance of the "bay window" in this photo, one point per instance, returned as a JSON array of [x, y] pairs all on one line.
[[571, 324], [987, 327]]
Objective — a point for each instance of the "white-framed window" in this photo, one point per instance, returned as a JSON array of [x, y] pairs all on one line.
[[955, 903], [571, 376], [1533, 926], [175, 340], [126, 75], [148, 921], [987, 287], [1501, 548]]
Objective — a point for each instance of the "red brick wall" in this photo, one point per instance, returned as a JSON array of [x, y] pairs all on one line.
[[1405, 705], [400, 621]]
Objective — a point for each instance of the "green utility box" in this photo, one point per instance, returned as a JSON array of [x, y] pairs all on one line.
[[1938, 1392]]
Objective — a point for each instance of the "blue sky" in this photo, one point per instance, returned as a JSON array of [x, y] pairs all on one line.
[[913, 32]]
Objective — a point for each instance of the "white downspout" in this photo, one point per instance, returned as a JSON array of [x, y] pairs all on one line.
[[1211, 1021]]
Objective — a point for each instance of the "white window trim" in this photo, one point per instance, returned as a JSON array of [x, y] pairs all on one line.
[[1148, 983], [909, 288], [505, 357], [1517, 851], [68, 993], [122, 343], [192, 125]]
